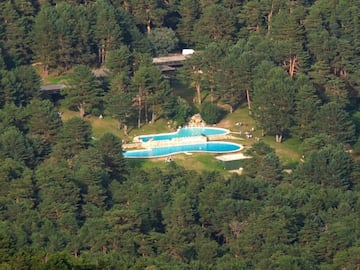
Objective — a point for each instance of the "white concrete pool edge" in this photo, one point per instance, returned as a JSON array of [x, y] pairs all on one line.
[[186, 152], [137, 139]]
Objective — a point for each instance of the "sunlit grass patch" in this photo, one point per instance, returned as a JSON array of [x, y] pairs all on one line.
[[195, 161], [160, 126], [288, 151], [105, 125], [99, 126], [67, 114], [54, 77], [241, 115], [199, 162], [51, 79]]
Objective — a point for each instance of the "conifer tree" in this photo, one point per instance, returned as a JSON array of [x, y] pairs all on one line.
[[82, 92], [45, 37], [307, 104], [335, 122], [189, 12], [273, 101]]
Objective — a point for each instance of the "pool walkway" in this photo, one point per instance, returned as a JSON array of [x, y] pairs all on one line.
[[223, 137], [175, 141], [134, 145]]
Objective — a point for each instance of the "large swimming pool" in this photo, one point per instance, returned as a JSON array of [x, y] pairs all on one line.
[[211, 147], [184, 132]]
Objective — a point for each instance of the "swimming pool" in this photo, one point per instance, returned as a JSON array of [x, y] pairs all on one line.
[[210, 147], [184, 132]]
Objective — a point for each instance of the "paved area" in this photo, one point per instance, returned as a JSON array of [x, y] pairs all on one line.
[[231, 157]]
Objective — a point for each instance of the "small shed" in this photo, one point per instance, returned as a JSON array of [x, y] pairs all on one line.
[[232, 161]]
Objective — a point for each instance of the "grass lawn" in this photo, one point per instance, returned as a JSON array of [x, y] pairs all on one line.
[[51, 79], [199, 161], [196, 161], [108, 124], [288, 151], [160, 126], [99, 126], [241, 115]]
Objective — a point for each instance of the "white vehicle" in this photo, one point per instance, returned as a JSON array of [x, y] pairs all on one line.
[[187, 51]]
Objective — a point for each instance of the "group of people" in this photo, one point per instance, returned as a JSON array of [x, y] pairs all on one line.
[[248, 134], [169, 159]]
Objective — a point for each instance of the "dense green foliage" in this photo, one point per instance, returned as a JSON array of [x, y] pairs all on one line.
[[70, 201], [211, 113]]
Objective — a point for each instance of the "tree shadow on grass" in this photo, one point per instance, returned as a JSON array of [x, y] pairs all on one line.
[[135, 163]]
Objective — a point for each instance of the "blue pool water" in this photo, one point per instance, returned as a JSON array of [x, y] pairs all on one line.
[[212, 147], [185, 132]]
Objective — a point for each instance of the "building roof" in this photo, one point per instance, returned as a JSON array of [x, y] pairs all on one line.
[[52, 87]]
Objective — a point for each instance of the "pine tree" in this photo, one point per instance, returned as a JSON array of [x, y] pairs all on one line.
[[148, 13], [74, 136], [207, 29], [307, 104], [329, 166], [13, 144], [211, 67], [16, 27], [335, 122], [191, 74], [189, 12], [287, 35], [108, 32], [44, 120], [273, 101], [110, 148], [119, 60], [45, 37], [66, 40], [82, 92]]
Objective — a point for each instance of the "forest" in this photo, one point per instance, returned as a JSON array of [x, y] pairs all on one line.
[[68, 201]]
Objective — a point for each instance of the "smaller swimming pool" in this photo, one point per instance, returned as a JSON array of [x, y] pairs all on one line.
[[184, 132], [210, 147]]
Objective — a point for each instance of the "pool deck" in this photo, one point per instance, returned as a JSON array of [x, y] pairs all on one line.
[[223, 137], [137, 144], [175, 141], [134, 145]]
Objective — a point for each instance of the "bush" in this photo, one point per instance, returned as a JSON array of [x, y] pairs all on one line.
[[183, 111], [356, 146], [211, 113], [163, 40]]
